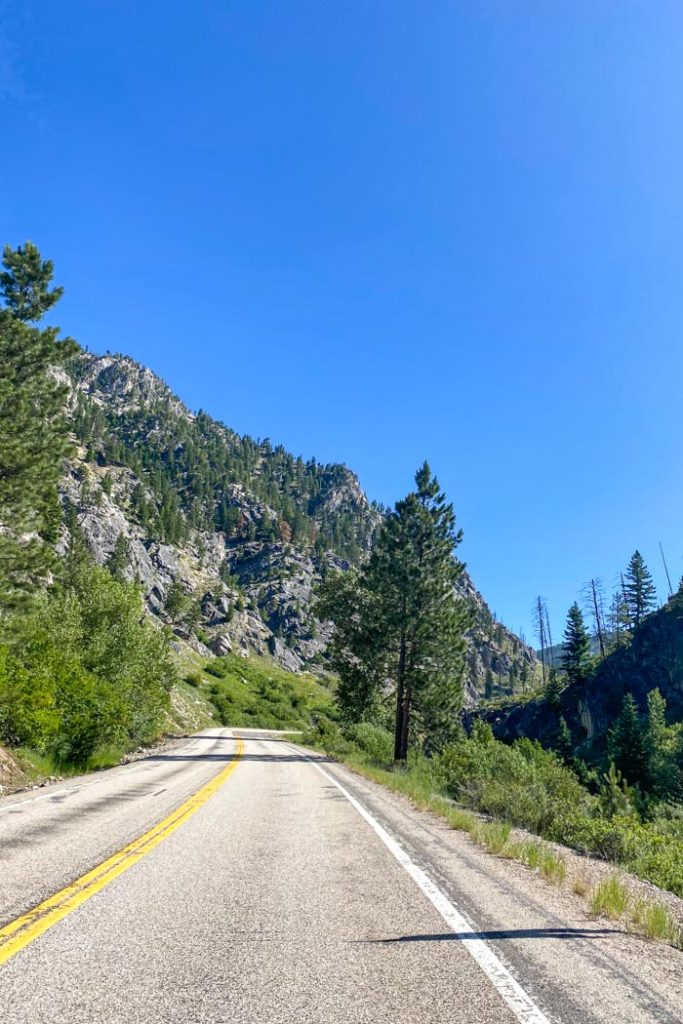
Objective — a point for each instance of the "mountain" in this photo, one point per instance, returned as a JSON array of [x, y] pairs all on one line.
[[228, 534], [553, 655]]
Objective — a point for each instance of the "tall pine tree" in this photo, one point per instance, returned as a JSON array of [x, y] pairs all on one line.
[[33, 429], [576, 647], [639, 590], [399, 621]]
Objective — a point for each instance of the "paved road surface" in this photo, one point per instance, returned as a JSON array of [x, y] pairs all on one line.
[[292, 892]]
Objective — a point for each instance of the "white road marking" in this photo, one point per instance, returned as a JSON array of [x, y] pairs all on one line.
[[521, 1004]]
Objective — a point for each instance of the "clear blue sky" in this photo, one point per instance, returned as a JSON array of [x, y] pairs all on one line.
[[383, 231]]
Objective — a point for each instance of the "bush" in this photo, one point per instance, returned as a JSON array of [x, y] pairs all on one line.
[[372, 740], [522, 783], [256, 692], [85, 670]]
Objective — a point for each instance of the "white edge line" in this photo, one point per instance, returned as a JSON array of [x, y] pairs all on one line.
[[508, 987]]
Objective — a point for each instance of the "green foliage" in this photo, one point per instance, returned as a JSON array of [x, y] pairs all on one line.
[[398, 621], [522, 783], [564, 748], [617, 798], [255, 692], [576, 648], [119, 560], [84, 671], [610, 898], [33, 429], [374, 742], [663, 752], [190, 467], [177, 603], [640, 594], [626, 744]]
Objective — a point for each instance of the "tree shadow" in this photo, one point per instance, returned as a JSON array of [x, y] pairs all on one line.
[[507, 933]]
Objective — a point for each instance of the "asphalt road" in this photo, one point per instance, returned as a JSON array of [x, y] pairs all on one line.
[[291, 891]]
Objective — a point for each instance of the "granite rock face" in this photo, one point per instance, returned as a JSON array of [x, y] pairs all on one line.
[[244, 587]]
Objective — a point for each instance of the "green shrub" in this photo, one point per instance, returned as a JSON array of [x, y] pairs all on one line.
[[372, 740], [85, 670], [522, 783], [256, 692]]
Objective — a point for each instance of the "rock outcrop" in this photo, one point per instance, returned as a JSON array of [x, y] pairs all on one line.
[[228, 535]]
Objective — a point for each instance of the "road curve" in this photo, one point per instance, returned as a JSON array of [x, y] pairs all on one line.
[[293, 891]]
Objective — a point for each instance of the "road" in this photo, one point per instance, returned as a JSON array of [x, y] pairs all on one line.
[[271, 885]]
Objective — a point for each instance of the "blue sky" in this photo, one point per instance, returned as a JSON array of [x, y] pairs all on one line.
[[383, 231]]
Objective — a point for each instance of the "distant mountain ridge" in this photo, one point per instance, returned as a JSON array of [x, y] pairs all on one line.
[[228, 534]]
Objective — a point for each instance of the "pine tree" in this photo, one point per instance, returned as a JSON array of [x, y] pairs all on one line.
[[553, 690], [576, 648], [33, 429], [639, 590], [399, 620], [664, 777], [563, 745], [119, 559], [626, 744]]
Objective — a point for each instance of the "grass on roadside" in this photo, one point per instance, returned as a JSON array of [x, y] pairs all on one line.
[[610, 898]]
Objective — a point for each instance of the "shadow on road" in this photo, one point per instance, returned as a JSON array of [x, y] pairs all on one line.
[[512, 933]]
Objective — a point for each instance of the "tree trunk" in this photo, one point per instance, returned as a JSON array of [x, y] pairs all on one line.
[[405, 731], [598, 621], [400, 702]]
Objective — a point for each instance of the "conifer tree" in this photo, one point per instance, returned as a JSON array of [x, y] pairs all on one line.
[[119, 559], [399, 621], [664, 777], [563, 742], [576, 647], [626, 744], [33, 429], [639, 590]]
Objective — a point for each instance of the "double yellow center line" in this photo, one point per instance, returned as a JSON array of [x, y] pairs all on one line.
[[25, 929]]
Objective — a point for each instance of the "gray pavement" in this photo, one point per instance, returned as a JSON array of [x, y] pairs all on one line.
[[278, 902]]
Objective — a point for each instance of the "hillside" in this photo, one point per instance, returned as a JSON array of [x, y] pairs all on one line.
[[653, 659], [228, 534]]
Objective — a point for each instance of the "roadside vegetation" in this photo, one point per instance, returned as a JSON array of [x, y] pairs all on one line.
[[84, 676], [255, 693], [484, 787], [523, 785]]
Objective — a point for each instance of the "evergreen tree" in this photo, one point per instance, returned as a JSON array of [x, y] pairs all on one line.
[[664, 778], [639, 590], [553, 690], [410, 626], [617, 623], [33, 429], [119, 559], [563, 745], [576, 648], [626, 744]]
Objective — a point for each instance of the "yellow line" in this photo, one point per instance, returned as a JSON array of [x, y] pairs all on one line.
[[25, 929]]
